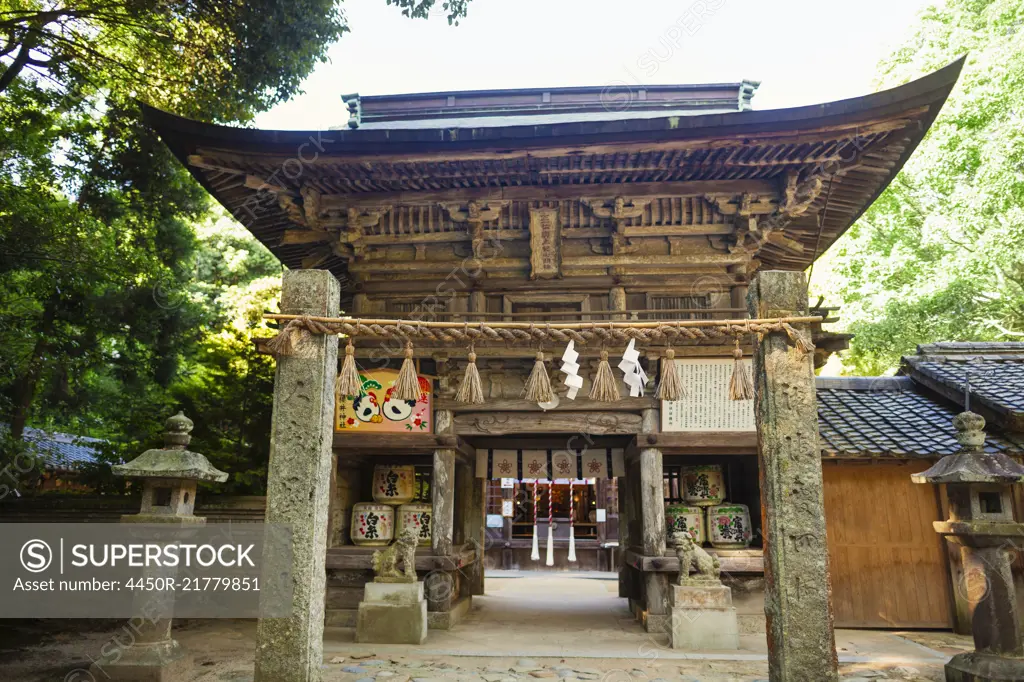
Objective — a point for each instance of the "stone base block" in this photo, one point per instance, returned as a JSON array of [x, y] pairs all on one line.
[[163, 662], [394, 593], [703, 618], [392, 613], [391, 623], [701, 597], [981, 667], [446, 620], [657, 622]]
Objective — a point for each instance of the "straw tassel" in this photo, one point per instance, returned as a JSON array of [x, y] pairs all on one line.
[[407, 385], [741, 386], [288, 339], [671, 386], [348, 381], [471, 392], [604, 389], [538, 386], [800, 339]]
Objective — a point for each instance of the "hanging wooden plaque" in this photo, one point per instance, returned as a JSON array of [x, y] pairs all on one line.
[[706, 405], [545, 243]]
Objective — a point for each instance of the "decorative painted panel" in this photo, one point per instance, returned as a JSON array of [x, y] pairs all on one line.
[[376, 410]]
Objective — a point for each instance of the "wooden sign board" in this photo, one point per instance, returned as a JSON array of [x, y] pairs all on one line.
[[376, 410], [706, 405], [545, 243]]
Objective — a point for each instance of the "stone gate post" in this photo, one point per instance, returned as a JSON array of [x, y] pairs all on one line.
[[298, 481], [798, 594]]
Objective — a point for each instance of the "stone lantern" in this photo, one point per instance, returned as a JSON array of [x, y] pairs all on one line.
[[981, 523], [169, 477]]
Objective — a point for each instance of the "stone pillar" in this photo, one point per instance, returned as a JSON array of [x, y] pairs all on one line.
[[652, 511], [298, 482], [798, 594]]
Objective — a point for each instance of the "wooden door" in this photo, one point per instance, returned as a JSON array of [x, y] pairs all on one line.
[[889, 568]]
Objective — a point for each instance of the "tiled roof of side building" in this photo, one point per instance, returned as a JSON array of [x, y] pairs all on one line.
[[61, 450], [996, 372], [891, 417]]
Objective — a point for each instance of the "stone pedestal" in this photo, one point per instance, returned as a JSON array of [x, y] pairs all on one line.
[[703, 617], [976, 666], [163, 661], [392, 613]]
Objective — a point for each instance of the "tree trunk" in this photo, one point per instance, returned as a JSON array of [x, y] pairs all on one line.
[[25, 389]]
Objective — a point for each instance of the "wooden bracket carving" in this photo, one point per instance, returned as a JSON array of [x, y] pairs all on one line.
[[475, 214], [618, 211]]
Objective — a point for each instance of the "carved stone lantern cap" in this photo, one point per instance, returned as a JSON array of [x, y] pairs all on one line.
[[972, 464], [172, 460]]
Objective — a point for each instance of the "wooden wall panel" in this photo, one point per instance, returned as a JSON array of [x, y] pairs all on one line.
[[889, 568]]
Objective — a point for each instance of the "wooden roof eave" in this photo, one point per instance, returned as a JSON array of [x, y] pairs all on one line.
[[185, 135], [910, 109]]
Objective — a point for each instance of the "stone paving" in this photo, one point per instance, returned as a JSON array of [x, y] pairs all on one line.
[[537, 621]]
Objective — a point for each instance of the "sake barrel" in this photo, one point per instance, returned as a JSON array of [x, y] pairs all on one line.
[[687, 519], [417, 516], [394, 484], [373, 525], [729, 526], [704, 485]]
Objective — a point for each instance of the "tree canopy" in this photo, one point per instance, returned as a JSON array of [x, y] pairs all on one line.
[[124, 295], [940, 255]]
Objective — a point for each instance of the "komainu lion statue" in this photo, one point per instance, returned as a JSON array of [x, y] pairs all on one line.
[[692, 555], [385, 561]]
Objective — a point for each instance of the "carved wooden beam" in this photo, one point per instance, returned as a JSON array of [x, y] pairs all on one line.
[[475, 214], [640, 190], [306, 237], [311, 207]]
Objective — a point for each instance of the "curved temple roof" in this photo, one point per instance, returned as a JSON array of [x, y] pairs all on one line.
[[778, 186]]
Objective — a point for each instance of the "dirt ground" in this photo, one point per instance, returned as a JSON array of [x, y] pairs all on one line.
[[223, 652], [522, 631]]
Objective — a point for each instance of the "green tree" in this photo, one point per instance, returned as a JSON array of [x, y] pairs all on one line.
[[940, 255], [112, 312]]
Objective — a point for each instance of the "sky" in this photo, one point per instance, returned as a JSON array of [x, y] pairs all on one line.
[[802, 51]]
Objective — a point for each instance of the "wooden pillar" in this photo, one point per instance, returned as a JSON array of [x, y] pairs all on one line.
[[443, 488], [476, 530], [298, 482], [625, 515], [617, 301], [738, 296], [333, 509], [477, 304], [652, 510], [798, 599]]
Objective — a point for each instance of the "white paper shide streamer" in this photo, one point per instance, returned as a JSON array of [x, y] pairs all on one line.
[[634, 375], [571, 368]]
